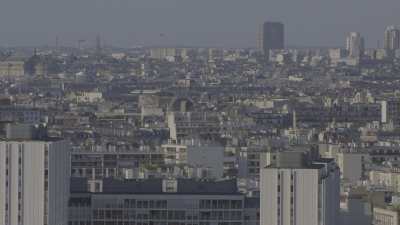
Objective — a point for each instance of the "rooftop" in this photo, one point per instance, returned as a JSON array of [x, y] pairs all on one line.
[[159, 186]]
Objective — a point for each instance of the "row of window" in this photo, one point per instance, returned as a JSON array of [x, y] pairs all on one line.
[[167, 215], [99, 222], [221, 204]]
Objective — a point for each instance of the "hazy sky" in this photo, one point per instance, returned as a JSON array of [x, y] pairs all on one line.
[[192, 22]]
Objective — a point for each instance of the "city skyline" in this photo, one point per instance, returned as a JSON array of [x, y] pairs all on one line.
[[123, 23], [92, 42], [183, 112]]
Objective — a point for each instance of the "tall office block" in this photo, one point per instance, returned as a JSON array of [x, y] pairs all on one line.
[[34, 182], [355, 45], [296, 190], [392, 38], [272, 36]]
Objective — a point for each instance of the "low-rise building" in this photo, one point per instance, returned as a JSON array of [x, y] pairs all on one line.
[[162, 202], [386, 216], [11, 69]]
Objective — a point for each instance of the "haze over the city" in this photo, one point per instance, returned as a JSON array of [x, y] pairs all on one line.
[[192, 23]]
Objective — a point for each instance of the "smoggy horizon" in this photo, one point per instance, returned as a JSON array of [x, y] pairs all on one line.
[[223, 23]]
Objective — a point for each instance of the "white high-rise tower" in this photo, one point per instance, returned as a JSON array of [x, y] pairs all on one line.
[[392, 38], [355, 45], [34, 182], [296, 190]]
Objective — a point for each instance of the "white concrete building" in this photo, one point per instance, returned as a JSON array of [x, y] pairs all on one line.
[[296, 190], [352, 166], [336, 55], [12, 69], [386, 216], [174, 153], [89, 97], [355, 44], [392, 38], [163, 53], [34, 182], [205, 160], [385, 177]]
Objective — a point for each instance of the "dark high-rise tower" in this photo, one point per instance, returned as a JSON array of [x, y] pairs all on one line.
[[272, 36]]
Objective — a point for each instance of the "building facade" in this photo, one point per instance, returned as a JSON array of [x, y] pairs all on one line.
[[392, 38], [34, 182], [294, 191], [385, 216], [272, 36], [355, 44], [12, 69], [163, 202]]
